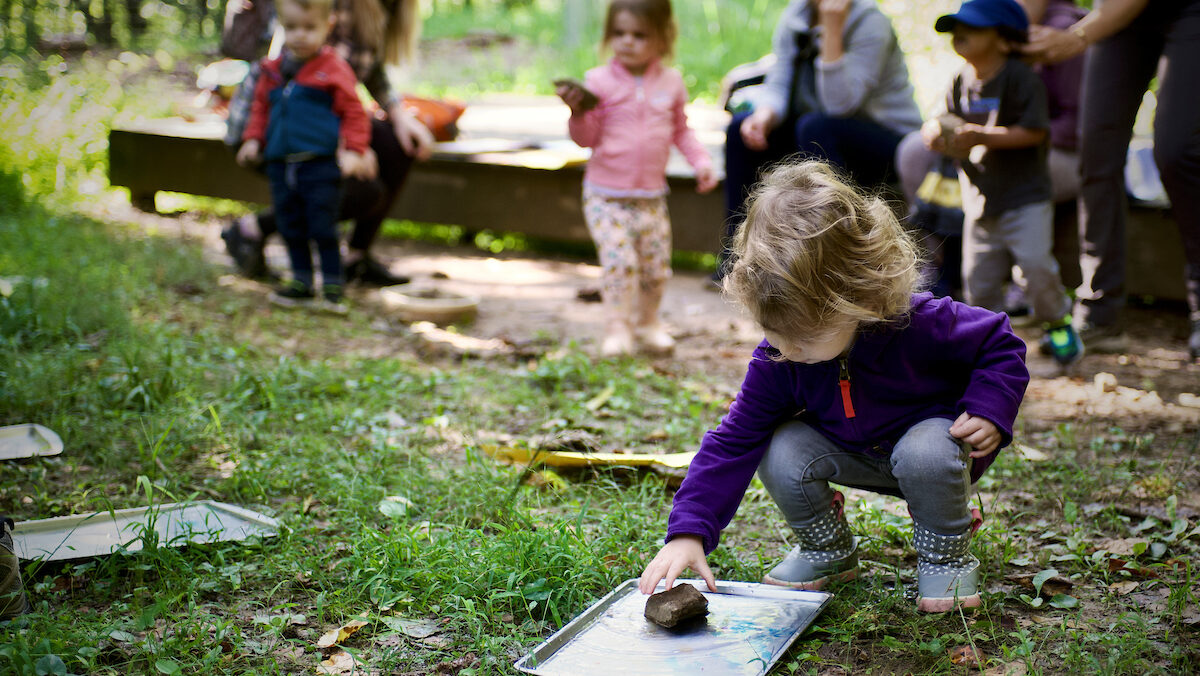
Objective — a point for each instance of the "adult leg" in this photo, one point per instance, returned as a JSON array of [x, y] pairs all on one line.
[[913, 162], [368, 203], [862, 148], [1116, 73], [1177, 146], [742, 168]]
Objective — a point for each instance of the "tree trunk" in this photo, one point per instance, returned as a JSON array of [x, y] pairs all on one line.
[[135, 21]]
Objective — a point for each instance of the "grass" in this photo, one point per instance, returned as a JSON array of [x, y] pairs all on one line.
[[167, 385]]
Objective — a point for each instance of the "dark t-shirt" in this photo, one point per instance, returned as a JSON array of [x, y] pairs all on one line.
[[998, 180]]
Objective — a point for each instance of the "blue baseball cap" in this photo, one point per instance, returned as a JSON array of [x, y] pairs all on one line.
[[986, 14]]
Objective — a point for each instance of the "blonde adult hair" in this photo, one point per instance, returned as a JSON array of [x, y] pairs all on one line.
[[656, 13], [815, 253], [390, 28]]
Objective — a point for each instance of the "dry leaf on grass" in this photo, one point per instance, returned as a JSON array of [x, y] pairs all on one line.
[[1122, 588], [342, 662], [1010, 669], [336, 636], [966, 656]]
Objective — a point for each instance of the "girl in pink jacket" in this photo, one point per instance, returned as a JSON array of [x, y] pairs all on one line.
[[638, 116]]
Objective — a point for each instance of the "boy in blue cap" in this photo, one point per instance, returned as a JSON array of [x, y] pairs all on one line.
[[1001, 146]]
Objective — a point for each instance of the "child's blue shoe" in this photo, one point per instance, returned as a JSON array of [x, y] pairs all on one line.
[[827, 553], [1062, 342], [293, 294], [947, 572]]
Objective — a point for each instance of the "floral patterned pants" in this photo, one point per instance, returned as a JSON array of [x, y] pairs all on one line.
[[633, 241]]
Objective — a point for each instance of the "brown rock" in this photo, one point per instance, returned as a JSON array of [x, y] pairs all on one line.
[[679, 603]]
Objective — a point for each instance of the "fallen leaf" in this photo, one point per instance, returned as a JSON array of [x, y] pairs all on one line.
[[1122, 588], [413, 628], [599, 400], [395, 505], [965, 656], [340, 662], [1030, 453], [1010, 669], [340, 634]]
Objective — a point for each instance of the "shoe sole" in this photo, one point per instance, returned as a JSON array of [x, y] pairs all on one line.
[[290, 303], [944, 605], [814, 585]]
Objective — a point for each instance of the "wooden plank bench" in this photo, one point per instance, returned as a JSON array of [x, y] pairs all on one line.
[[538, 191]]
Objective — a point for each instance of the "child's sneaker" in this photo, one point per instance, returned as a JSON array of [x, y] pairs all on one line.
[[1062, 342], [334, 300], [947, 572], [292, 294], [827, 553], [655, 339]]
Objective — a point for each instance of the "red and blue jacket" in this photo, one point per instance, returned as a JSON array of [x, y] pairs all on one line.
[[307, 115]]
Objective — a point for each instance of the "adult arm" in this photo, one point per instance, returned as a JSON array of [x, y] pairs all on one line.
[[1052, 45], [844, 83], [777, 84]]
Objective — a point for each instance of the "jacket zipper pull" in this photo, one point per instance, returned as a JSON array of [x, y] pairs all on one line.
[[844, 384]]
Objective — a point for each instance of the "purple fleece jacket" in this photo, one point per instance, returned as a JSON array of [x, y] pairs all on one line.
[[944, 358]]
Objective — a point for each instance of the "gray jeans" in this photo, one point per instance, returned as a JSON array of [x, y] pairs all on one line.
[[1023, 237], [927, 467]]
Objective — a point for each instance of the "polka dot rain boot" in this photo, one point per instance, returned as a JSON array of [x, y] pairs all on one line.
[[947, 572], [827, 552]]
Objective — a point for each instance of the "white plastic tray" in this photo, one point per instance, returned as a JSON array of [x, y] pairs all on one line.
[[28, 440], [176, 524], [748, 628]]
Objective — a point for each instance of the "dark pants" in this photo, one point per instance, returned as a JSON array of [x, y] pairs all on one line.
[[1117, 73], [366, 202], [863, 149], [306, 197]]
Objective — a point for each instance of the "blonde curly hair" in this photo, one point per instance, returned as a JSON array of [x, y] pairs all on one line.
[[814, 253]]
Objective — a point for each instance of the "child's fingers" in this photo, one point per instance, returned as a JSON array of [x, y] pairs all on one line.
[[958, 428]]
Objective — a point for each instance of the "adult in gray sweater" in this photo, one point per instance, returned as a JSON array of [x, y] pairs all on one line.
[[838, 90]]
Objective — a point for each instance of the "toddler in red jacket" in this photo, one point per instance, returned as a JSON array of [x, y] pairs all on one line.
[[309, 125]]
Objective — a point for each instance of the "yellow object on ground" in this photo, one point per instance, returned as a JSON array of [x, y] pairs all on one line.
[[671, 461]]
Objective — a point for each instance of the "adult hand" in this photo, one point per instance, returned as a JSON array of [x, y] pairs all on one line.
[[831, 15], [415, 138], [757, 127], [1051, 45], [250, 153], [706, 180], [980, 433], [682, 552]]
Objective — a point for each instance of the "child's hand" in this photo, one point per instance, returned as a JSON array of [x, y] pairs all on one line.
[[572, 96], [966, 137], [355, 165], [682, 552], [931, 134], [250, 153], [706, 179], [980, 433]]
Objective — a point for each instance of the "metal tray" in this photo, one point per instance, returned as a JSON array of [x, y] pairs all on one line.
[[748, 628], [176, 524], [28, 440]]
